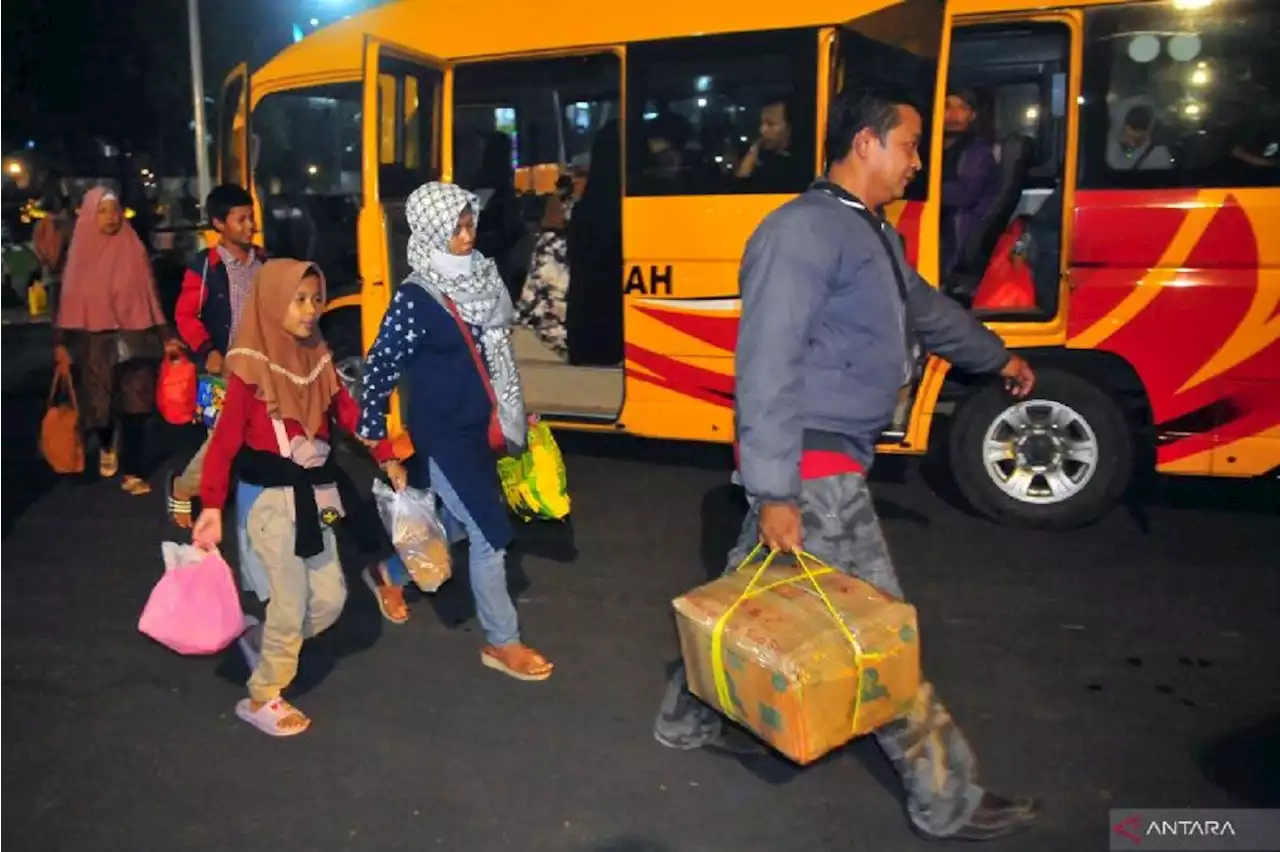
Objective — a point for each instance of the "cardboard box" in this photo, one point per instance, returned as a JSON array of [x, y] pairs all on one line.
[[788, 670]]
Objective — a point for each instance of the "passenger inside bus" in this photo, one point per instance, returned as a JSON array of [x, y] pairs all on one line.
[[667, 159], [1131, 145], [770, 164], [501, 225], [593, 313], [969, 172]]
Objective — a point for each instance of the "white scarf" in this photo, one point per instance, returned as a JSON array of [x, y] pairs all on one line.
[[473, 283]]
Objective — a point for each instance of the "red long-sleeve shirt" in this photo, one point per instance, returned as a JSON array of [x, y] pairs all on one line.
[[244, 422]]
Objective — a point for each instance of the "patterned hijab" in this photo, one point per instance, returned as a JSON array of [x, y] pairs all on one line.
[[294, 378], [474, 285]]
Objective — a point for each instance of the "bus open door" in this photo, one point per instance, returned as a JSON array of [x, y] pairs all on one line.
[[406, 97]]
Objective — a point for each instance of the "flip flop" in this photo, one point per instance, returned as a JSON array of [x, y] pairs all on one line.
[[268, 717], [251, 654]]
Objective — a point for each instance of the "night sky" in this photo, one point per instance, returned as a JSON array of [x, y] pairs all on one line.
[[81, 73]]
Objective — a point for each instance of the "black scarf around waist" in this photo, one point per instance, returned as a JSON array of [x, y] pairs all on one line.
[[272, 470]]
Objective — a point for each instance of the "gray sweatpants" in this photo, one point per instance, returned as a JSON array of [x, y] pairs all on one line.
[[931, 754]]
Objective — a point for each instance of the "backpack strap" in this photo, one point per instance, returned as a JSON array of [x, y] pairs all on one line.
[[282, 437]]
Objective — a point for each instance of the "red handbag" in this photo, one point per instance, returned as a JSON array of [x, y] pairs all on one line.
[[176, 390], [497, 440]]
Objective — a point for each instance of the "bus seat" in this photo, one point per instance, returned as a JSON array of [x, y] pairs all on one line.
[[1044, 251], [1014, 156]]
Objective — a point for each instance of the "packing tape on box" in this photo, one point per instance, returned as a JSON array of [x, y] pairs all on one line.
[[860, 657]]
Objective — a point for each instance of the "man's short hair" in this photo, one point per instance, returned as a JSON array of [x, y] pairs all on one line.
[[1140, 118], [862, 109], [225, 196]]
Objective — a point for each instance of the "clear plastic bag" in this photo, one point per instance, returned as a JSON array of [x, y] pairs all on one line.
[[419, 537]]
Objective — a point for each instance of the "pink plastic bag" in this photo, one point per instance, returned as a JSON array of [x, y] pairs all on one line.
[[195, 607]]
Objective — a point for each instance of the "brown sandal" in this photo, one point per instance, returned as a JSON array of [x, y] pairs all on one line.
[[519, 661], [390, 597], [135, 486], [108, 463]]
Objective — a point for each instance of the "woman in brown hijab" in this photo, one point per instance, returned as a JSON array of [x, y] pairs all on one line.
[[110, 325]]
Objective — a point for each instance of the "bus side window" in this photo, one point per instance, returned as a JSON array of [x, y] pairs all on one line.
[[1182, 98], [722, 114], [408, 113]]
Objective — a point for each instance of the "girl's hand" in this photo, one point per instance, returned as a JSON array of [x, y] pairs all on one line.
[[397, 474], [207, 533]]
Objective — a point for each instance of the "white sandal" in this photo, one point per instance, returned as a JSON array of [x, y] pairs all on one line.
[[268, 717]]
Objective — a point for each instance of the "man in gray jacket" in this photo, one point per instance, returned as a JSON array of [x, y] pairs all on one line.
[[831, 314]]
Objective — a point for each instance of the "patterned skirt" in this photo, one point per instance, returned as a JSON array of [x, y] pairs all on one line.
[[107, 387]]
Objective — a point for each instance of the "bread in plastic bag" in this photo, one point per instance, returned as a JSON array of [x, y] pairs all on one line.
[[419, 537]]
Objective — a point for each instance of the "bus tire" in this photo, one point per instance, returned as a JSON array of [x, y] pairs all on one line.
[[1057, 460]]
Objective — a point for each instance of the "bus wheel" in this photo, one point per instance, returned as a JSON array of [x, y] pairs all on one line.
[[1056, 460]]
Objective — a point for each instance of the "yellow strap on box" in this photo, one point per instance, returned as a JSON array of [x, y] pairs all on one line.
[[860, 657]]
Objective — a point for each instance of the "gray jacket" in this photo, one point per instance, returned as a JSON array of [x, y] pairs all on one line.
[[825, 340]]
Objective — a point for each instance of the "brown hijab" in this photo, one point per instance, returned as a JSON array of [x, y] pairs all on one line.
[[108, 284], [294, 378]]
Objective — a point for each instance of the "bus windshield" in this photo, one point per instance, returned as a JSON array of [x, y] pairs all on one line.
[[896, 50]]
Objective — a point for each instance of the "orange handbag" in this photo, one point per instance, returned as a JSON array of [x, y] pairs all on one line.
[[61, 442]]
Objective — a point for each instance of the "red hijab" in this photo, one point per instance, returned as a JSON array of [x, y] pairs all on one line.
[[108, 284]]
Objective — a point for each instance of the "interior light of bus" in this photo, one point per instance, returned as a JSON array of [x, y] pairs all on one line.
[[1144, 48], [1184, 47]]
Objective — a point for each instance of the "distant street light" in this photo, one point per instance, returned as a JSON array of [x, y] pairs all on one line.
[[203, 181]]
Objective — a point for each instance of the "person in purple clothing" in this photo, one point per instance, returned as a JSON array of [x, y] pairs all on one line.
[[970, 173]]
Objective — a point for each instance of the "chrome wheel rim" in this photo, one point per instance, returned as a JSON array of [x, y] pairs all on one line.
[[1040, 452]]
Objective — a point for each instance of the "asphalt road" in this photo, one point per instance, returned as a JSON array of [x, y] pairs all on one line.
[[1131, 664]]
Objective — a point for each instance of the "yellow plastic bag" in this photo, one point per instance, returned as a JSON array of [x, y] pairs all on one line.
[[37, 300], [534, 484]]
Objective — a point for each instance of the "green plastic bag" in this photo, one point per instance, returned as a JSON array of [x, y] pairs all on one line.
[[534, 484]]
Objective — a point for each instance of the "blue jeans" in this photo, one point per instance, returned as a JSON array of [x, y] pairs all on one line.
[[494, 609]]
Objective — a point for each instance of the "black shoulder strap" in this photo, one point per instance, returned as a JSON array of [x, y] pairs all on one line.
[[876, 224]]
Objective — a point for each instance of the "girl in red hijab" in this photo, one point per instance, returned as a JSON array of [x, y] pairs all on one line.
[[111, 327]]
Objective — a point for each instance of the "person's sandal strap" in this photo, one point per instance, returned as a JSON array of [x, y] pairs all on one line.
[[518, 661], [269, 716]]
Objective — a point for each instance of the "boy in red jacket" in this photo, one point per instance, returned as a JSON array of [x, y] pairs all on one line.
[[215, 290]]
